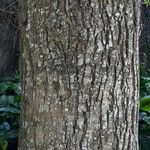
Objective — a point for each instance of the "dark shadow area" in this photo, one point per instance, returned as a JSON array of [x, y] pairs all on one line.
[[9, 38], [9, 85], [144, 118]]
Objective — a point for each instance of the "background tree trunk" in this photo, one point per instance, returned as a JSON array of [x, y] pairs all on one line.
[[9, 38], [80, 75], [145, 39]]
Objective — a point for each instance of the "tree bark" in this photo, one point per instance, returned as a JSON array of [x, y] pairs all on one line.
[[80, 74]]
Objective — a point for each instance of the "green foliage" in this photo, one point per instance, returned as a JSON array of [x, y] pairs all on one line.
[[9, 88], [144, 131], [144, 81], [144, 86], [10, 98], [145, 103], [147, 3], [144, 116], [4, 144]]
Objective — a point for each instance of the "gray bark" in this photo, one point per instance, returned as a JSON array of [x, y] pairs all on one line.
[[80, 74]]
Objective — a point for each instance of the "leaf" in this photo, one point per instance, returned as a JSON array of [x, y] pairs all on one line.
[[6, 100], [10, 110], [144, 118], [145, 103], [17, 98], [9, 86], [4, 145], [13, 134], [2, 136], [5, 126], [147, 3]]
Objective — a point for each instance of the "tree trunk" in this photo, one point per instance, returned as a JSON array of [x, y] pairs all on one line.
[[80, 74], [145, 39], [9, 38]]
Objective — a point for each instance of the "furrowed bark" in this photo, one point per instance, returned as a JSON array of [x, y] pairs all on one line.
[[80, 75]]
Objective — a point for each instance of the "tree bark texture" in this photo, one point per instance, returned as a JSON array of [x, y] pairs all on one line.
[[80, 74]]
